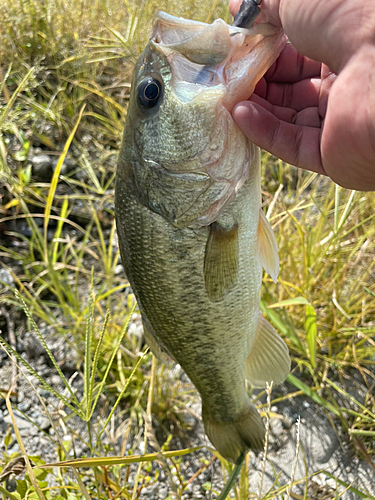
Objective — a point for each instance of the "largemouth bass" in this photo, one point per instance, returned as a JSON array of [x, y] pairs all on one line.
[[192, 234]]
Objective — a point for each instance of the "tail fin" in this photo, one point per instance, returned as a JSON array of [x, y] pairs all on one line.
[[231, 439]]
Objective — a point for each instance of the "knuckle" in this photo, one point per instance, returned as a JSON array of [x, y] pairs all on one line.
[[296, 145], [287, 97], [275, 136]]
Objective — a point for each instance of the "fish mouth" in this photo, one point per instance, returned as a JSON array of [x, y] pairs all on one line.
[[203, 55]]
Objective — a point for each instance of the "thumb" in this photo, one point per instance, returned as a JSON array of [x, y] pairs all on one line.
[[295, 144]]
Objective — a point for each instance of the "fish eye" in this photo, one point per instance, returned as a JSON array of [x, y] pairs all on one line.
[[149, 93]]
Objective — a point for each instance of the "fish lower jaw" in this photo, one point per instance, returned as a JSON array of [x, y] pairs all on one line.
[[235, 438]]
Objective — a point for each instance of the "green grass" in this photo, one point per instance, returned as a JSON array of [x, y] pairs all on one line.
[[64, 83]]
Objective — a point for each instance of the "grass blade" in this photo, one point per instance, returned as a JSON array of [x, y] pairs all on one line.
[[23, 451], [311, 333], [10, 351], [312, 394], [232, 478], [7, 495], [95, 364], [280, 325], [87, 366], [123, 391], [14, 96], [346, 212], [3, 85], [60, 223], [46, 348], [357, 492], [350, 397], [110, 461], [55, 178], [109, 364], [290, 302], [337, 208]]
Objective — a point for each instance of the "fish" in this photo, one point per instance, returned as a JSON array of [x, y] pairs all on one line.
[[192, 235]]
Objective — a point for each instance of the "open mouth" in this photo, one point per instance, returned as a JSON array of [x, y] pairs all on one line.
[[208, 55]]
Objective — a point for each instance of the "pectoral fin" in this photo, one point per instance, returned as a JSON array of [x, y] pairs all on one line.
[[269, 356], [268, 254], [220, 260]]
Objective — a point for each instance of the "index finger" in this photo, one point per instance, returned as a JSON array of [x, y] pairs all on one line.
[[291, 67]]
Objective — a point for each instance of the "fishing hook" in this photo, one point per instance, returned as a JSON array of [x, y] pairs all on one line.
[[247, 14]]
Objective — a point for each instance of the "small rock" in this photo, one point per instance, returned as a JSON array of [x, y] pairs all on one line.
[[66, 167], [3, 427], [81, 175], [11, 484], [119, 269], [33, 346], [34, 431], [142, 447], [39, 221], [69, 367], [44, 370], [189, 488], [6, 277], [55, 380], [86, 139], [44, 423], [190, 420], [24, 405], [22, 423], [14, 448], [20, 347], [276, 426], [79, 450], [42, 167], [163, 493], [290, 417], [35, 414]]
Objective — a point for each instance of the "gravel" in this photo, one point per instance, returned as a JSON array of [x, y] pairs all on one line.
[[319, 447]]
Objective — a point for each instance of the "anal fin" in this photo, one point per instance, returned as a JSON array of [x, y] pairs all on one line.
[[269, 356], [220, 260]]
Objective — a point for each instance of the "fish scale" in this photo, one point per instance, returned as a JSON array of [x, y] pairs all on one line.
[[172, 139]]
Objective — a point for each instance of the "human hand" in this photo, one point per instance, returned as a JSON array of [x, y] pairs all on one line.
[[305, 114]]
